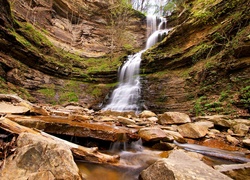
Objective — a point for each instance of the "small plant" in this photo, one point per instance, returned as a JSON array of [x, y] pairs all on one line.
[[223, 95], [198, 108], [245, 96]]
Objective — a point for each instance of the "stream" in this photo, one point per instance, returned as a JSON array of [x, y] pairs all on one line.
[[135, 158]]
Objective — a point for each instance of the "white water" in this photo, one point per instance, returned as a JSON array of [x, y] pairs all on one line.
[[126, 97]]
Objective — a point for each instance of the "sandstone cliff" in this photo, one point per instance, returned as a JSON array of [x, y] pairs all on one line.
[[203, 65], [56, 51]]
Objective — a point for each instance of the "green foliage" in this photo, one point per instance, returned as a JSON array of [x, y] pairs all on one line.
[[48, 92], [201, 52], [245, 96], [68, 97], [223, 96], [212, 105], [198, 109], [33, 35]]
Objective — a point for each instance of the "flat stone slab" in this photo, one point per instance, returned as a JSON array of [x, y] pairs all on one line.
[[65, 126], [12, 109], [180, 166]]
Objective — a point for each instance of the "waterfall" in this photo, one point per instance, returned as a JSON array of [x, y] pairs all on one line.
[[126, 97]]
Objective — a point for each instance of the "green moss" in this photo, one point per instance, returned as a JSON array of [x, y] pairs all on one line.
[[69, 97], [48, 92], [200, 52]]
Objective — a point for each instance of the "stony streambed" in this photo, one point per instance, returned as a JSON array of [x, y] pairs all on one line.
[[168, 136]]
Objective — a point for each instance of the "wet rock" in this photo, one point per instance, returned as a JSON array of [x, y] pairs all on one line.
[[179, 166], [192, 130], [153, 134], [173, 118], [147, 114], [37, 156], [235, 171], [240, 129], [232, 140]]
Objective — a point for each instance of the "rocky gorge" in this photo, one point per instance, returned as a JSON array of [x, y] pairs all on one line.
[[178, 140], [55, 52], [61, 58]]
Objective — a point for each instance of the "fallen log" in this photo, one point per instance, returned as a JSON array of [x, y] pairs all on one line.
[[80, 152]]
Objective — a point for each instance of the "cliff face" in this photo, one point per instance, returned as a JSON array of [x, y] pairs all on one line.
[[57, 51], [203, 65], [84, 26]]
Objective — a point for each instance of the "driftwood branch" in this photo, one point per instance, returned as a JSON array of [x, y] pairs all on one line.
[[88, 154]]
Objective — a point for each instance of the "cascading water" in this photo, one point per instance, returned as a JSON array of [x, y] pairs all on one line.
[[126, 97]]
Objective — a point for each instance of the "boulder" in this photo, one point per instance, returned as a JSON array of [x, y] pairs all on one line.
[[178, 166], [173, 118], [152, 119], [153, 134], [125, 121], [246, 142], [235, 171], [147, 114], [38, 157], [240, 129], [164, 146], [192, 130], [176, 136], [232, 140], [218, 120], [208, 124]]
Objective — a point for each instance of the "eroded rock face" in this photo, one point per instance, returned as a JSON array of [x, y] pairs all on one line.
[[179, 74], [82, 26], [38, 157], [178, 166]]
